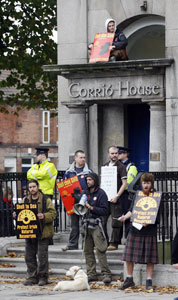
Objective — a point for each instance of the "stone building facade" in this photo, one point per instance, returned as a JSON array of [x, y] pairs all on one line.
[[132, 103]]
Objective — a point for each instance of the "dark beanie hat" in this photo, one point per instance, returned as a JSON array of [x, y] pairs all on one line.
[[95, 177]]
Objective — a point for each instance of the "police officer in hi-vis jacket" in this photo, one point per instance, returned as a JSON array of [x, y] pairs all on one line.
[[43, 171]]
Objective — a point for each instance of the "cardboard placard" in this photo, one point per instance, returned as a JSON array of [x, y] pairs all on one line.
[[101, 47], [146, 208], [109, 181], [26, 221], [66, 190]]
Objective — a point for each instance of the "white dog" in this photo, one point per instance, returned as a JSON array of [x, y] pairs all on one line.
[[79, 283]]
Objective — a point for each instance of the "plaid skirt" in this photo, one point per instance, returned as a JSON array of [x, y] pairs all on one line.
[[141, 249]]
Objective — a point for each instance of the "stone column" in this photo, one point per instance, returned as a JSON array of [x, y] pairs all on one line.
[[157, 137], [171, 12], [78, 123]]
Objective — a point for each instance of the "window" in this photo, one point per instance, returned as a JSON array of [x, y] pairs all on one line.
[[46, 127]]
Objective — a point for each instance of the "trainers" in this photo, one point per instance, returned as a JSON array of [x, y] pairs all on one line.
[[127, 283], [149, 284], [92, 278], [112, 247], [107, 279], [30, 281], [43, 281]]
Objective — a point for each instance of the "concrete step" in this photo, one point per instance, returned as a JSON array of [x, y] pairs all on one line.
[[20, 272], [55, 251], [58, 263]]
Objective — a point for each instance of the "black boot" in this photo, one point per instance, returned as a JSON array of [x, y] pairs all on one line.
[[128, 282], [149, 284]]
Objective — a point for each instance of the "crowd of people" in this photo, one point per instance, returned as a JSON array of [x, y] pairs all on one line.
[[141, 245]]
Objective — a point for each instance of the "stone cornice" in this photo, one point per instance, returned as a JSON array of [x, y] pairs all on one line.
[[109, 68]]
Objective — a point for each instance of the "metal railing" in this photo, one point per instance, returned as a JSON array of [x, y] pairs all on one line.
[[166, 182]]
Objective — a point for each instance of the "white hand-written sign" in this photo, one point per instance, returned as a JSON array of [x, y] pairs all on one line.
[[109, 180]]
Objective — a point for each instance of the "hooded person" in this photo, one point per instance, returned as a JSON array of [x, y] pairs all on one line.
[[118, 48], [97, 205]]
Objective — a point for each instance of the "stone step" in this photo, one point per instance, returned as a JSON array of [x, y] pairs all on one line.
[[64, 263], [55, 251], [17, 272]]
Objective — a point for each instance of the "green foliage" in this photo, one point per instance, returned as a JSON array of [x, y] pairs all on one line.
[[26, 44]]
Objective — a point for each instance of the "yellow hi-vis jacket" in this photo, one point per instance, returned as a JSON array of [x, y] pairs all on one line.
[[45, 173], [131, 173]]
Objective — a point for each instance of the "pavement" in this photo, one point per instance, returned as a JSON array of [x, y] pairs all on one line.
[[20, 292], [13, 289]]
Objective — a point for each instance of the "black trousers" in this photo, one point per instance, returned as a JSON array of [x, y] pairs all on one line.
[[115, 210]]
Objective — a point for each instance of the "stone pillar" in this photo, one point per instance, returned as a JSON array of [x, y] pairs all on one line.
[[79, 134], [157, 137], [112, 129], [171, 12]]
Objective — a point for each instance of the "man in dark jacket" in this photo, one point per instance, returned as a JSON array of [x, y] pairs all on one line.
[[94, 234], [80, 168]]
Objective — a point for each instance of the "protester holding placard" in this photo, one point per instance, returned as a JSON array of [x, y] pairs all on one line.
[[141, 245], [115, 203], [37, 271], [80, 169], [118, 47]]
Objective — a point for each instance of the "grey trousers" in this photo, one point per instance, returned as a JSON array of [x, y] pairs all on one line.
[[36, 248], [94, 238]]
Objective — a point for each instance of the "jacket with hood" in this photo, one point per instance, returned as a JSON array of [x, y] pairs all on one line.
[[119, 41], [97, 199], [71, 171]]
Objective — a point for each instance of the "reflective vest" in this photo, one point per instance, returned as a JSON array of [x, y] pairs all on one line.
[[45, 173], [131, 173]]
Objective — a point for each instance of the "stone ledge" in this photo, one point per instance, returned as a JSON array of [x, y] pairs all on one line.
[[164, 275], [71, 70]]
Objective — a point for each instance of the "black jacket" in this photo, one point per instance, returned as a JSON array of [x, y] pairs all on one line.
[[119, 41]]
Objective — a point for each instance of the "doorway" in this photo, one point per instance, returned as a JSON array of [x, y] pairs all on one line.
[[138, 135]]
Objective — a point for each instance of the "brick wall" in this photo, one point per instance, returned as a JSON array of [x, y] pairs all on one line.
[[19, 133]]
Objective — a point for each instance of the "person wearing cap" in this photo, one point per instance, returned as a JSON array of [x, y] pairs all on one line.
[[97, 206], [131, 174], [43, 171], [115, 204], [80, 169], [118, 48]]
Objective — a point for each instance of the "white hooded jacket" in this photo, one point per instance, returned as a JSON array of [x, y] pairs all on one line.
[[108, 21]]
